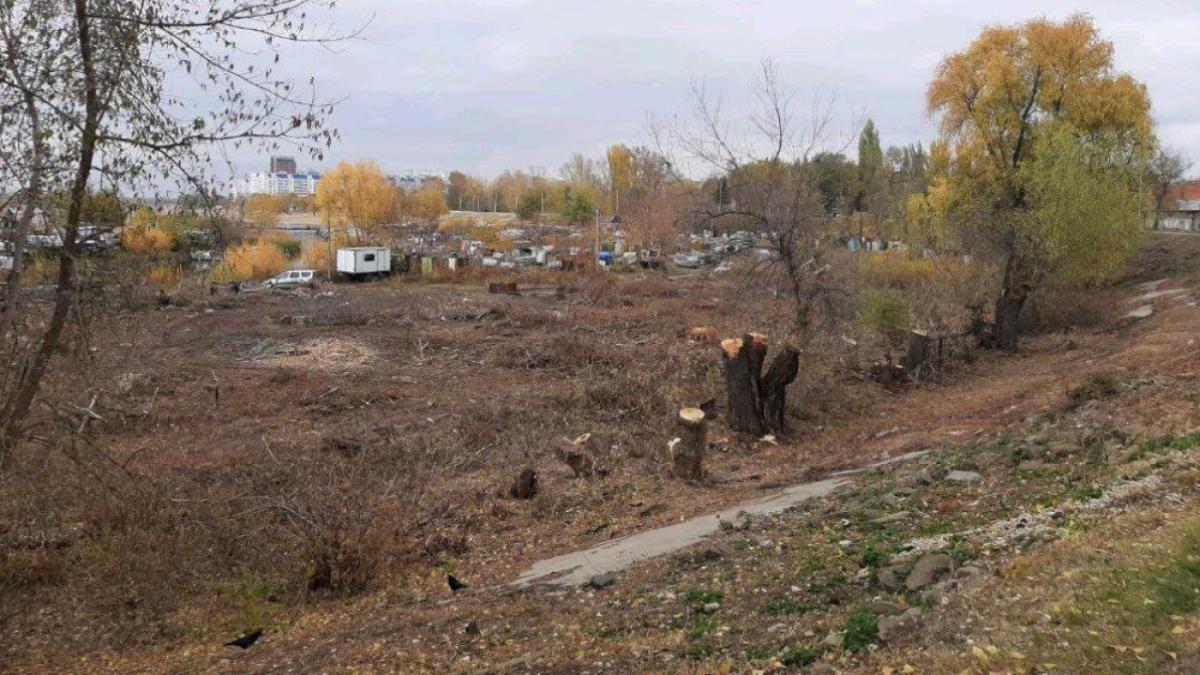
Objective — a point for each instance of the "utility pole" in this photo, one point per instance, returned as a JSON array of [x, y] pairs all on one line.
[[596, 256]]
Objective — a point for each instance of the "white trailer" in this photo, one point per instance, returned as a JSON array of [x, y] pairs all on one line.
[[359, 261]]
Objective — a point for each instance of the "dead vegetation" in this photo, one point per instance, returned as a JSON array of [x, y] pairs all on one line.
[[222, 470]]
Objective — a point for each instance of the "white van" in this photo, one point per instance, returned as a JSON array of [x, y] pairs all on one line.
[[292, 279]]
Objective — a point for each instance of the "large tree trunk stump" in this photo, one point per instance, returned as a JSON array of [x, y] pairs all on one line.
[[782, 372], [580, 455], [918, 352], [687, 450], [742, 359]]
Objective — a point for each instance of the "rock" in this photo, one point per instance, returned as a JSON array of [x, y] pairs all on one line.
[[921, 477], [891, 499], [885, 608], [892, 628], [969, 575], [889, 577], [959, 476], [833, 640], [927, 570], [711, 607], [968, 572], [601, 581], [892, 518]]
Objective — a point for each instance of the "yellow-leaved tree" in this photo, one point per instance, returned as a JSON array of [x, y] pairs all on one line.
[[354, 200], [1044, 94], [264, 209], [427, 203]]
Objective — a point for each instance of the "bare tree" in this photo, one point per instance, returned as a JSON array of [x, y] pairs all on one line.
[[136, 73], [28, 158], [767, 185], [1166, 168]]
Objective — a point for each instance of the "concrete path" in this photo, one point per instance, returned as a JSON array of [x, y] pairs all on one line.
[[576, 568]]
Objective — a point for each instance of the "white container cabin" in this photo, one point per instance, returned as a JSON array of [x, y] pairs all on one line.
[[361, 261]]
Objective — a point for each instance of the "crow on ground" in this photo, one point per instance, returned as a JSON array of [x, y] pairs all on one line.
[[246, 640], [454, 584]]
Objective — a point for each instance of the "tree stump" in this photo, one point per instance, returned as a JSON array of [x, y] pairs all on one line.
[[687, 450], [918, 352], [742, 359], [525, 486], [580, 456], [782, 372]]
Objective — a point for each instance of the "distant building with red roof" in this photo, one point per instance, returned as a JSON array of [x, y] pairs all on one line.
[[1180, 208]]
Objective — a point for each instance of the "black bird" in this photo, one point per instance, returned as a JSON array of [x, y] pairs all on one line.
[[246, 640], [454, 584]]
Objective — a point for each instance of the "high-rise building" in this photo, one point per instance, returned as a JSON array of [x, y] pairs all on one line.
[[278, 183], [283, 165]]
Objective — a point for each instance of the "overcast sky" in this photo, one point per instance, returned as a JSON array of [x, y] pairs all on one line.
[[486, 85]]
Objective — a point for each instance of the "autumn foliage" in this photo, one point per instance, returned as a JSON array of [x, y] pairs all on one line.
[[144, 239], [253, 261], [354, 200]]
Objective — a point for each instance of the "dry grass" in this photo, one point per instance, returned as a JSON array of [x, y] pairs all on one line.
[[231, 485]]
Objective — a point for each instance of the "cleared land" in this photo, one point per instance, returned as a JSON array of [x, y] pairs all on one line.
[[315, 463]]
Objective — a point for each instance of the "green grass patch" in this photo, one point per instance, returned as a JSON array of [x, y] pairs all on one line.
[[701, 626], [861, 629], [1173, 442], [760, 652], [701, 597], [798, 656]]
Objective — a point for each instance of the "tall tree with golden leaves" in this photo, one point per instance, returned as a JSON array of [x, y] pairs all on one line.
[[354, 200], [999, 102], [620, 172]]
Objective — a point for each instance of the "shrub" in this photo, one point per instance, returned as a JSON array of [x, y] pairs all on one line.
[[142, 239], [884, 311], [290, 247], [165, 275], [317, 255], [251, 262], [1098, 387]]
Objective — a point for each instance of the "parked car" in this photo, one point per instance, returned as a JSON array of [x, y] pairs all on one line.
[[293, 279]]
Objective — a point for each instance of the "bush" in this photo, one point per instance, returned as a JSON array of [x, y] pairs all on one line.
[[142, 239], [251, 262], [165, 275], [883, 311], [1098, 387], [317, 255], [290, 247]]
